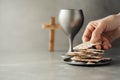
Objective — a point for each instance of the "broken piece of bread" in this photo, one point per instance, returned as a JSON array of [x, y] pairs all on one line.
[[85, 45]]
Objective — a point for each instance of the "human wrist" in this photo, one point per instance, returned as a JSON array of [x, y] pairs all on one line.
[[117, 19], [117, 16], [117, 33]]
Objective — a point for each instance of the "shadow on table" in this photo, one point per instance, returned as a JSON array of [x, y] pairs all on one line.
[[114, 53]]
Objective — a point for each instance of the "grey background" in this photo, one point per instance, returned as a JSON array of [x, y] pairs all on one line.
[[21, 20]]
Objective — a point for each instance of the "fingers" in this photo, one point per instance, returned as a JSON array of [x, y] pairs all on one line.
[[96, 34], [93, 33], [88, 32], [106, 43], [98, 47]]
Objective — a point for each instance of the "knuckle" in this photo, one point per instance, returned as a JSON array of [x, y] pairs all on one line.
[[91, 22]]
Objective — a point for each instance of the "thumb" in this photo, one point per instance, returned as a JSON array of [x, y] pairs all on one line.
[[96, 34]]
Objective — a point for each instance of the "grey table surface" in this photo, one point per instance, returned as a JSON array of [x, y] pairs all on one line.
[[42, 65]]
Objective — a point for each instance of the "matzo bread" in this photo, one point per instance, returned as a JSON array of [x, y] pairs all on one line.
[[85, 45], [78, 59], [88, 54]]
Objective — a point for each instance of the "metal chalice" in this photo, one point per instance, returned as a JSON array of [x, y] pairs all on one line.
[[71, 21]]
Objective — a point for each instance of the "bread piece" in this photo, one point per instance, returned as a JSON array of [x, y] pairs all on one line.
[[83, 53], [85, 45], [78, 59], [89, 62]]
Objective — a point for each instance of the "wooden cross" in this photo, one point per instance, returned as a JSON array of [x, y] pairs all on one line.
[[51, 26]]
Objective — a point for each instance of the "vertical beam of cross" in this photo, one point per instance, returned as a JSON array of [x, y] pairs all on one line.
[[52, 26]]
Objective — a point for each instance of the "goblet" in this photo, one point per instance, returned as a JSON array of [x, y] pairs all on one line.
[[71, 21]]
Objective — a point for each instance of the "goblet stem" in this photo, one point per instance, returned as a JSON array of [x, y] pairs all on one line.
[[70, 44]]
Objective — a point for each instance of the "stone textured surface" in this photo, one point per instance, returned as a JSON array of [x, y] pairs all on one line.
[[42, 65]]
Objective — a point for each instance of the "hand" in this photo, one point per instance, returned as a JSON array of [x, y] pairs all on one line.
[[104, 30]]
